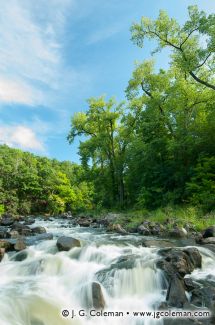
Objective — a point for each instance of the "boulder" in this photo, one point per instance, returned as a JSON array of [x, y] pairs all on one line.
[[7, 221], [209, 232], [38, 230], [22, 229], [20, 245], [208, 241], [178, 232], [118, 228], [176, 296], [84, 222], [97, 296], [29, 222], [6, 244], [176, 263], [3, 232], [157, 243], [13, 234], [181, 261], [143, 230], [20, 256], [66, 243]]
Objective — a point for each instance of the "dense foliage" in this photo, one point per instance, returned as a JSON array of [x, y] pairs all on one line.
[[158, 147], [31, 184], [155, 149]]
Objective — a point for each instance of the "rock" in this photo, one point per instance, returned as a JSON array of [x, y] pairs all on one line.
[[66, 215], [7, 221], [208, 240], [20, 245], [20, 256], [143, 230], [204, 296], [179, 261], [29, 222], [190, 285], [84, 221], [177, 232], [97, 296], [22, 229], [2, 252], [6, 244], [157, 243], [176, 296], [13, 234], [118, 228], [3, 232], [38, 230], [176, 263], [209, 232], [66, 243]]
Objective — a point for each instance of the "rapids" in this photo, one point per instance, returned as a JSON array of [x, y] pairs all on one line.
[[36, 290]]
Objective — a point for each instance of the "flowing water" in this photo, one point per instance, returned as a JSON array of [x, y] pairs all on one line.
[[36, 290]]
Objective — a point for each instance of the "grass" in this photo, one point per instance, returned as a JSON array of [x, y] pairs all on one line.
[[180, 215]]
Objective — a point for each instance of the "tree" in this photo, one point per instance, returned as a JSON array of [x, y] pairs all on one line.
[[192, 45]]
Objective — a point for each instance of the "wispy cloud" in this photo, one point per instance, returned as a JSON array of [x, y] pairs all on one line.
[[20, 136], [30, 48], [105, 33]]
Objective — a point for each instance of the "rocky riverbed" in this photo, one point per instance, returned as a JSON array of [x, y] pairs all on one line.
[[49, 264]]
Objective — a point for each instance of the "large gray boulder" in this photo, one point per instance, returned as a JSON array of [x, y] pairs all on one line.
[[66, 243], [97, 296], [176, 296]]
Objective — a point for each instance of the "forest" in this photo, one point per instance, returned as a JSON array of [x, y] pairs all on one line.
[[155, 149]]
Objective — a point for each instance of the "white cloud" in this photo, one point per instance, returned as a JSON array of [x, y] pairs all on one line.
[[20, 136], [18, 92], [30, 48], [105, 33]]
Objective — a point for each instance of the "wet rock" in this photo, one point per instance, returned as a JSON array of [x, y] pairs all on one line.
[[6, 244], [7, 220], [143, 230], [22, 229], [20, 256], [38, 230], [2, 252], [84, 222], [205, 297], [190, 284], [97, 296], [29, 222], [176, 296], [179, 261], [176, 263], [66, 243], [208, 240], [66, 215], [209, 232], [3, 232], [157, 243], [20, 245], [118, 228], [13, 234], [177, 232]]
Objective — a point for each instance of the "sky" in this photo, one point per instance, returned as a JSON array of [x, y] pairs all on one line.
[[55, 54]]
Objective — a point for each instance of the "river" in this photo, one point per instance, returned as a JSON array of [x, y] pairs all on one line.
[[36, 290]]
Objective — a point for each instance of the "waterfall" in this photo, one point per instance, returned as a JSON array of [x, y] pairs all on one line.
[[34, 291]]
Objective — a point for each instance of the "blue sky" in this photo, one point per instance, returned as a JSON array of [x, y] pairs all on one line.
[[55, 54]]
